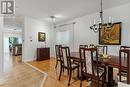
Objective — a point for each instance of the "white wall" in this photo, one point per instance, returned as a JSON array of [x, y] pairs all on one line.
[[83, 34], [31, 29], [1, 48]]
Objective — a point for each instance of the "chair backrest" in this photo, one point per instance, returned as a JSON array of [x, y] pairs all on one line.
[[81, 53], [57, 50], [65, 53], [89, 57], [91, 46], [124, 63], [83, 46], [101, 49], [125, 47]]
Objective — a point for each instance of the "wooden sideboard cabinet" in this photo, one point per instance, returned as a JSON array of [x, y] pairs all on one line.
[[43, 54]]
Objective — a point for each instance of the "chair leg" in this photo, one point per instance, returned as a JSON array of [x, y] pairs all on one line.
[[81, 81], [70, 73], [81, 75], [81, 78], [56, 64], [60, 72]]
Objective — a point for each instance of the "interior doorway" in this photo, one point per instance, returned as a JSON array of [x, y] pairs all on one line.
[[12, 49], [13, 37]]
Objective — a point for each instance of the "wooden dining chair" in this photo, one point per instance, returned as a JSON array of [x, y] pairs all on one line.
[[102, 49], [124, 64], [67, 63], [124, 47], [91, 68], [57, 51]]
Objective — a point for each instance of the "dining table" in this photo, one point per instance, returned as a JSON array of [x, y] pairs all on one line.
[[110, 62]]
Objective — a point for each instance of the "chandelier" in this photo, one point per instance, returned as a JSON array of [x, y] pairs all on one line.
[[53, 18], [101, 25]]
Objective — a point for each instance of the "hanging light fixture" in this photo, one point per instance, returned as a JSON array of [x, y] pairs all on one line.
[[101, 25], [53, 18]]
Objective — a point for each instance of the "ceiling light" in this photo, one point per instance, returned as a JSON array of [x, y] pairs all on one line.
[[53, 18], [101, 25]]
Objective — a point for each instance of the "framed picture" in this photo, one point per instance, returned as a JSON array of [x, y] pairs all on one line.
[[111, 36], [41, 36]]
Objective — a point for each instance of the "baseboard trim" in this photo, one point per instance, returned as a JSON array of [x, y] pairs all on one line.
[[28, 60]]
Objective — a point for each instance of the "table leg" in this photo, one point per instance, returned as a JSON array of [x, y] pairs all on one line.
[[110, 76]]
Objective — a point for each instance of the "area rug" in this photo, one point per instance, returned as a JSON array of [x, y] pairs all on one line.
[[25, 75]]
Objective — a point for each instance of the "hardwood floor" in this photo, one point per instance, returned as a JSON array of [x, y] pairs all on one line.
[[48, 66], [11, 61], [23, 75]]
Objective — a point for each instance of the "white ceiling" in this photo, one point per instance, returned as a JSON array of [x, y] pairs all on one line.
[[65, 9], [13, 24]]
